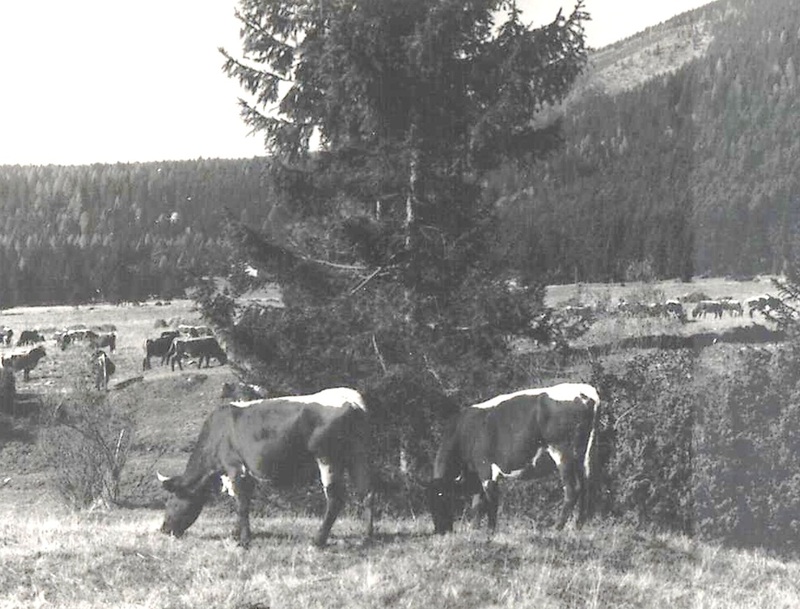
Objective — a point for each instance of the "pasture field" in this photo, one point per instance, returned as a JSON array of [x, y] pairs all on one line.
[[117, 559], [714, 287], [51, 556]]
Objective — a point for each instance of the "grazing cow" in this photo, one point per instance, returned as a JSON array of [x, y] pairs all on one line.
[[201, 347], [674, 308], [708, 307], [245, 442], [24, 360], [506, 437], [103, 368], [75, 335], [732, 307], [6, 335], [29, 337], [764, 304], [158, 347], [106, 339]]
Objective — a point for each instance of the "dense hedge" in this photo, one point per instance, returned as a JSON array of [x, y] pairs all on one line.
[[706, 443]]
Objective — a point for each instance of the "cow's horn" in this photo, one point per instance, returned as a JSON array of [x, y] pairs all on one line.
[[161, 477]]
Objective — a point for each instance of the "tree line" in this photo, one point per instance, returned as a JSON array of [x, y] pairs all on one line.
[[120, 232]]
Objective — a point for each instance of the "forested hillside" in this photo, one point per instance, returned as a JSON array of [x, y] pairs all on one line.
[[691, 172], [119, 232]]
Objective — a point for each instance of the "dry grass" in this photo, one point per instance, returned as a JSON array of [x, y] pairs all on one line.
[[118, 559]]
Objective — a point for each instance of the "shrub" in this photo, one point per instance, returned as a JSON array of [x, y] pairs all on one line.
[[85, 440], [746, 475], [646, 442], [706, 449]]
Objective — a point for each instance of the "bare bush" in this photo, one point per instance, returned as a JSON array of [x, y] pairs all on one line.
[[86, 440]]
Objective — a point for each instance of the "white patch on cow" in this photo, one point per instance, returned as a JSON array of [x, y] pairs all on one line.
[[556, 455], [497, 473], [325, 474], [227, 485], [565, 392], [338, 397], [539, 454], [246, 403]]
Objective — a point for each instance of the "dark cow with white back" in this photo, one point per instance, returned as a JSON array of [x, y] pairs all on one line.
[[265, 440], [70, 336], [29, 337], [158, 347], [506, 437], [24, 360], [104, 339], [201, 348]]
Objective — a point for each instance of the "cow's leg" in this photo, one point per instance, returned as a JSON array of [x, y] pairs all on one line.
[[491, 490], [478, 509], [243, 488], [360, 477], [488, 475], [330, 475], [567, 467], [581, 493], [26, 374]]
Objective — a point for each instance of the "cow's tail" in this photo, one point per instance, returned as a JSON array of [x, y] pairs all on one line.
[[590, 458]]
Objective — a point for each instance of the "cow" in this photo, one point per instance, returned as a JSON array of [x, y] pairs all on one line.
[[24, 360], [103, 368], [764, 304], [706, 307], [201, 347], [6, 335], [674, 308], [105, 339], [266, 440], [158, 347], [506, 437], [74, 335], [29, 337]]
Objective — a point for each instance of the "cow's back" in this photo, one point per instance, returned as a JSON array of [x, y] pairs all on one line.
[[278, 438]]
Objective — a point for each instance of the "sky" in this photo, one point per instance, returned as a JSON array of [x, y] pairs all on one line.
[[104, 81]]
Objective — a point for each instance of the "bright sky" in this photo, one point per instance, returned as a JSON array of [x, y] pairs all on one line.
[[86, 81]]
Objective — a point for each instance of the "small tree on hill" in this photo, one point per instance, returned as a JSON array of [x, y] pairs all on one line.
[[386, 248]]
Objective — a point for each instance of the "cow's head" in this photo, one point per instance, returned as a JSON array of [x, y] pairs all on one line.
[[440, 495], [222, 357], [184, 505]]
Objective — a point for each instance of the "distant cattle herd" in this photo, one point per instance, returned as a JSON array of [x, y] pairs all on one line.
[[688, 307], [172, 346]]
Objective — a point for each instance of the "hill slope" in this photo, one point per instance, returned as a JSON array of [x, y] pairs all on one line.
[[691, 171]]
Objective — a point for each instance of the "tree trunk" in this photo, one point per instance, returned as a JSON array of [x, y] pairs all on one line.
[[412, 226]]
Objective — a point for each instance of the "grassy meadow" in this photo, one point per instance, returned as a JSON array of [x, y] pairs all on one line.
[[116, 559], [52, 556]]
